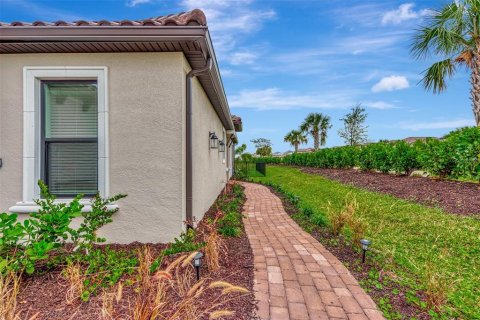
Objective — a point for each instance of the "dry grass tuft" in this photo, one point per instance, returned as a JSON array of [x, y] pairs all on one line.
[[9, 289], [107, 305], [214, 246], [73, 274], [436, 289], [174, 294], [220, 314]]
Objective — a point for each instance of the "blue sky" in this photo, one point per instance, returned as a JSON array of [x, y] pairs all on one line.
[[281, 60]]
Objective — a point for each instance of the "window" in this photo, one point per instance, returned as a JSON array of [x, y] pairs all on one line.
[[65, 132], [69, 114]]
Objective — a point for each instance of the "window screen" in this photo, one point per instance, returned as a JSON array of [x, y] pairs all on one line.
[[69, 137]]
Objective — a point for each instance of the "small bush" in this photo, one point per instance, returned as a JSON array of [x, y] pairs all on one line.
[[185, 243], [102, 268], [229, 224], [32, 241]]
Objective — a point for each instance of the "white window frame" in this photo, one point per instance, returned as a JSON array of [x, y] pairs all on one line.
[[32, 77]]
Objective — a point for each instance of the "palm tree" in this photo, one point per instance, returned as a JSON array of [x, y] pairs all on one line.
[[454, 33], [295, 138], [317, 125], [324, 126]]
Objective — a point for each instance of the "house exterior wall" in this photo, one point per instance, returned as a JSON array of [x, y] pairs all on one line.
[[146, 93], [209, 165]]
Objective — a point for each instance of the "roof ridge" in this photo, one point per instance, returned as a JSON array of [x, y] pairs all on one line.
[[189, 18]]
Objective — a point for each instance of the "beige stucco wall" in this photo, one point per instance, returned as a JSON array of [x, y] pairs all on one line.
[[146, 94], [209, 165]]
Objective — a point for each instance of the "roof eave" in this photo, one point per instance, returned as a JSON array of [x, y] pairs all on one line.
[[200, 34], [101, 33]]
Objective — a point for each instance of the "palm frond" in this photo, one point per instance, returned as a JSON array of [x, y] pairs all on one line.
[[436, 76], [445, 33]]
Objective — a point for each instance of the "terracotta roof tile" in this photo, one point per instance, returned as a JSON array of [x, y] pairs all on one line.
[[195, 17]]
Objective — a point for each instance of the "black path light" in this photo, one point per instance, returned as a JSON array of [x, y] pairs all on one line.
[[213, 140], [197, 263], [221, 146], [365, 243]]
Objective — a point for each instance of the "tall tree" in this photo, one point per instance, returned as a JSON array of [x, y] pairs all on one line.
[[324, 127], [452, 32], [240, 149], [264, 146], [354, 131], [313, 126], [295, 138]]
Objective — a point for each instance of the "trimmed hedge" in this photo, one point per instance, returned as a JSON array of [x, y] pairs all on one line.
[[457, 156]]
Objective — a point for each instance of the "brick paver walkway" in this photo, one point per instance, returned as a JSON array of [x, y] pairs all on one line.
[[295, 276]]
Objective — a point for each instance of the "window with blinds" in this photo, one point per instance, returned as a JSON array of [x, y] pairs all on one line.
[[70, 137]]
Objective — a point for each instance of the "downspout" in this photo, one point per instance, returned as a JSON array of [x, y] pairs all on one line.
[[189, 158]]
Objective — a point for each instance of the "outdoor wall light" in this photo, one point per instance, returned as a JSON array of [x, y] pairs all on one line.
[[213, 140], [197, 263], [221, 146], [365, 243]]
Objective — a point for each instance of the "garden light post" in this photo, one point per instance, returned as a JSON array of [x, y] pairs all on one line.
[[365, 243], [197, 263]]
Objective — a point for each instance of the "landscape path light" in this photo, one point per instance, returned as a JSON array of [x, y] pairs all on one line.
[[197, 263], [365, 243]]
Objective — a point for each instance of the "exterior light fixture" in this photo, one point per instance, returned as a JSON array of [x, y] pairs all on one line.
[[365, 243], [221, 146], [197, 263], [213, 140]]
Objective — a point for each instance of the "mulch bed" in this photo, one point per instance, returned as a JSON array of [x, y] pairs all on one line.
[[462, 198], [351, 258], [43, 295]]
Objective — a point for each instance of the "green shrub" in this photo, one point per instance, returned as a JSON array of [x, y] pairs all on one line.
[[403, 157], [466, 144], [185, 243], [230, 224], [455, 156], [437, 157], [24, 244], [104, 267]]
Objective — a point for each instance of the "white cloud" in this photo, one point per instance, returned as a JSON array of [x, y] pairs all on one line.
[[391, 83], [403, 13], [229, 21], [133, 3], [382, 105], [277, 99], [245, 57], [447, 124]]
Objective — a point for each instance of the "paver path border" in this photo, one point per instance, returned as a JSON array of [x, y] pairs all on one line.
[[295, 276]]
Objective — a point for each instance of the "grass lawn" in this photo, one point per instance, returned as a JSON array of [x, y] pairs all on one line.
[[429, 249]]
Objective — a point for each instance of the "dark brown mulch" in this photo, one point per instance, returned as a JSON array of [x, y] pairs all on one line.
[[44, 295], [351, 258], [456, 197]]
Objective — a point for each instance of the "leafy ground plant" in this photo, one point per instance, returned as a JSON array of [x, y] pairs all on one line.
[[410, 240], [23, 245], [185, 243]]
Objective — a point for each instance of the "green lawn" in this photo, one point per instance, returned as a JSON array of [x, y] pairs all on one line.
[[422, 241]]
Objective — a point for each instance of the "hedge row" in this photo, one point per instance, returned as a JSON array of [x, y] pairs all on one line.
[[457, 155]]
